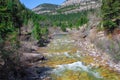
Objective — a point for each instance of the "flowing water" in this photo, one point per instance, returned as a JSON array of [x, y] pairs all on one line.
[[65, 60]]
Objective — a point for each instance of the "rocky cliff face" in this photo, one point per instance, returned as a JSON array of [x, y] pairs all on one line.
[[71, 6], [71, 2], [81, 2], [68, 6]]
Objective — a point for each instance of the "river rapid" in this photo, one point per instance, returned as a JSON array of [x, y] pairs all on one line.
[[67, 61]]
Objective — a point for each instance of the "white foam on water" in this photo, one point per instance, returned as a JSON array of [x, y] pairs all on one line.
[[76, 66], [67, 54], [78, 53], [96, 74]]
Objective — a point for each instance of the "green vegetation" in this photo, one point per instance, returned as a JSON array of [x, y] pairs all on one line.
[[47, 6], [110, 14], [14, 15], [75, 75], [10, 22], [67, 8], [68, 20], [39, 32]]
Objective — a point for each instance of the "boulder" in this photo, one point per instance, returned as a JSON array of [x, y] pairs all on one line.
[[31, 57], [92, 34], [42, 42]]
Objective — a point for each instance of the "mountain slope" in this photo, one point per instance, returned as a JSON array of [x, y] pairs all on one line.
[[71, 6], [68, 6], [72, 2], [45, 8]]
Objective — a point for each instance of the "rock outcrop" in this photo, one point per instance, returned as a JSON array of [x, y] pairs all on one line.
[[73, 2], [68, 6]]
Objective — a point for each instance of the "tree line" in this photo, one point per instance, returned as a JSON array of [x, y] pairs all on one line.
[[72, 20], [13, 15], [110, 14]]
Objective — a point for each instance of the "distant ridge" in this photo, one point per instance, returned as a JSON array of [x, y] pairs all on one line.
[[68, 6], [71, 2], [45, 8]]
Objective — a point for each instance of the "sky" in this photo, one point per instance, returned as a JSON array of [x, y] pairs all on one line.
[[33, 3]]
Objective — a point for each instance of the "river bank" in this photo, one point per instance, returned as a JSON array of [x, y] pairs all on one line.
[[66, 52], [71, 56]]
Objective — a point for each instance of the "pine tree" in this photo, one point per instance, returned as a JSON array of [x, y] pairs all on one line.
[[110, 14]]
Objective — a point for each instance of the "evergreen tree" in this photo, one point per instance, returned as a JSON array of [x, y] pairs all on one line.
[[110, 14], [12, 16]]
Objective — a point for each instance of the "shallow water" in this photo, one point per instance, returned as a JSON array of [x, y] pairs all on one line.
[[76, 66], [66, 60]]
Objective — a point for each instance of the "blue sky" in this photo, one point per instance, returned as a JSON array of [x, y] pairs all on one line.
[[33, 3]]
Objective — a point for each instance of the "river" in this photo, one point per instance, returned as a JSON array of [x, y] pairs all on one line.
[[66, 62]]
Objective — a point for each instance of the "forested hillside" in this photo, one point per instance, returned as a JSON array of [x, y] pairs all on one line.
[[45, 8], [13, 16], [111, 14], [73, 20]]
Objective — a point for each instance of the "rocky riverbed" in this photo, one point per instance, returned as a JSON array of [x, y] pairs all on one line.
[[72, 56]]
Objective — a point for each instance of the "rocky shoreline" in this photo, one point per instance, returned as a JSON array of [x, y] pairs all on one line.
[[100, 57], [94, 57]]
